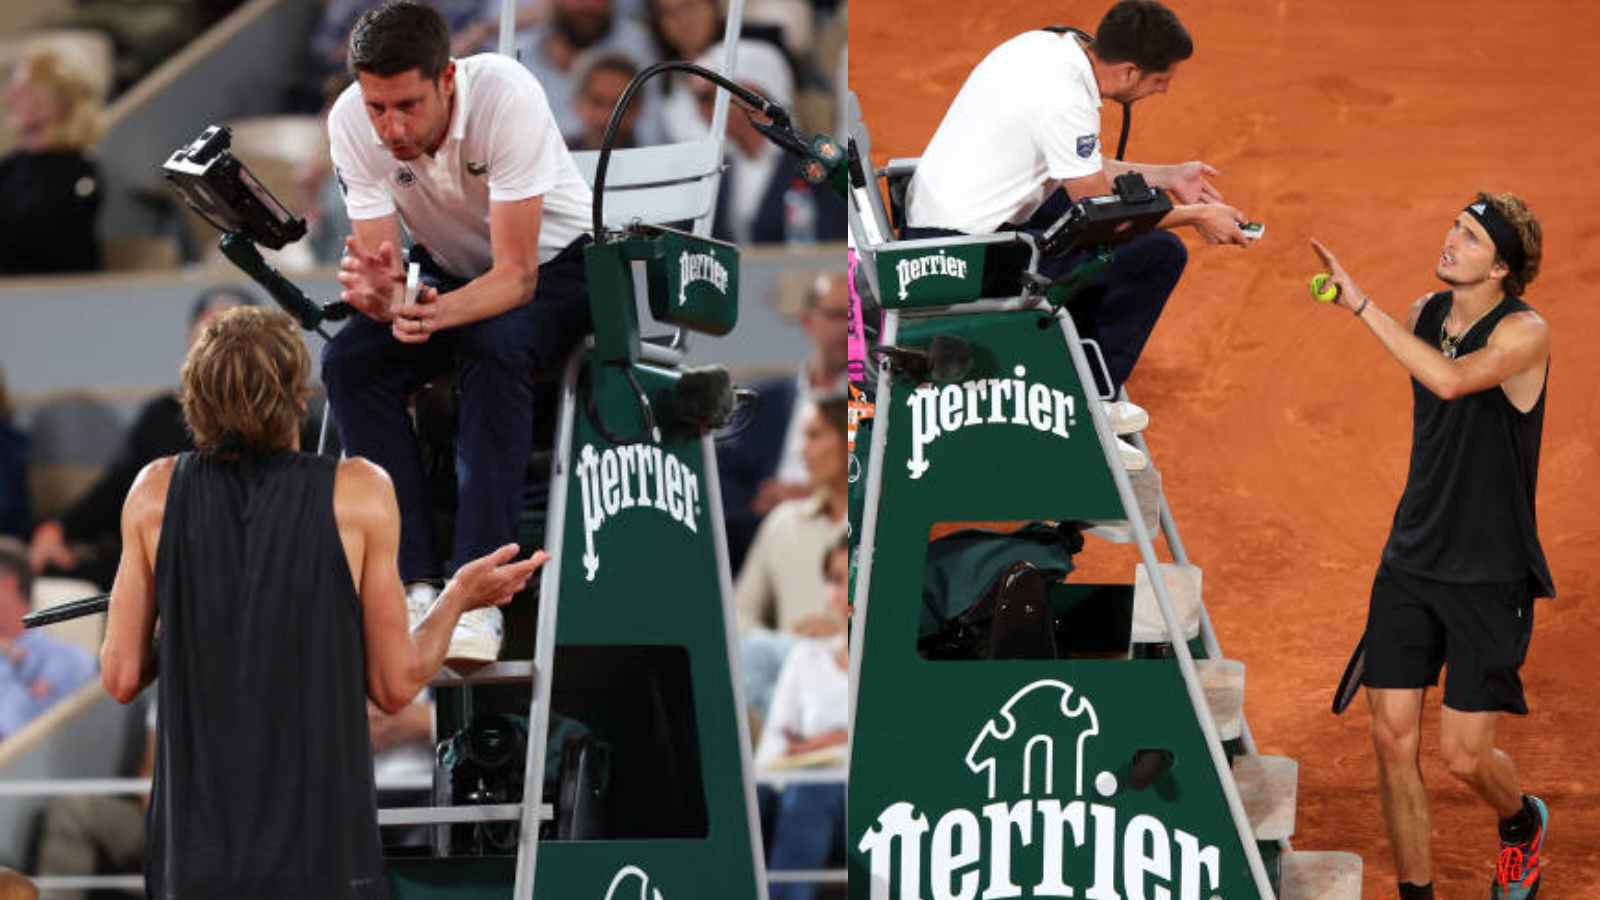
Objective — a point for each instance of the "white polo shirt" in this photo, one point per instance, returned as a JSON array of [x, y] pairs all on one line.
[[502, 145], [1027, 119]]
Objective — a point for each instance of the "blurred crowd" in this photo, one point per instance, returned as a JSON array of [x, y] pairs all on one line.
[[782, 470], [583, 52]]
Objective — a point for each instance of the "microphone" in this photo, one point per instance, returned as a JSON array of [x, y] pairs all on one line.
[[242, 252], [706, 398], [946, 359], [822, 160]]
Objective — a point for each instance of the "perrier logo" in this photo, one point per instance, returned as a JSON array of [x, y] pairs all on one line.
[[937, 411], [693, 267], [633, 477], [915, 269], [1027, 822]]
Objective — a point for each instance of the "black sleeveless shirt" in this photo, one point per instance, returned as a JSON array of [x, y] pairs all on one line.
[[263, 783], [1467, 514]]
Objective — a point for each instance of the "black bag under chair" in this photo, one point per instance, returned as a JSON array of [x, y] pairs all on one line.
[[986, 594], [483, 765]]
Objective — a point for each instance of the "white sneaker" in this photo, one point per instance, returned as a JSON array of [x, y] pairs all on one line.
[[1133, 459], [420, 597], [478, 633], [477, 637], [1125, 417]]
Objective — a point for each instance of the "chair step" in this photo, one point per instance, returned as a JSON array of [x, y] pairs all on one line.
[[431, 815], [1268, 785], [1222, 680], [1147, 494], [502, 672], [1183, 588], [1319, 875]]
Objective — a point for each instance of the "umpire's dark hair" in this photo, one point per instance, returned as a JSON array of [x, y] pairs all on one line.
[[1143, 32], [397, 37]]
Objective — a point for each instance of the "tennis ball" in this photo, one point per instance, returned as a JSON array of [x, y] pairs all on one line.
[[1323, 289]]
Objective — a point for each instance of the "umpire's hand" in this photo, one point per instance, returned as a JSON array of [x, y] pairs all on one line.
[[368, 281]]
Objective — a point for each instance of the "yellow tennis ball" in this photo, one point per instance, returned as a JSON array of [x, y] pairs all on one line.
[[1323, 288]]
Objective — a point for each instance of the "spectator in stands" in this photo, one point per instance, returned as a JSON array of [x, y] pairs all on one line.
[[601, 79], [49, 190], [92, 834], [85, 541], [778, 590], [330, 42], [551, 50], [327, 223], [483, 34], [101, 834], [683, 30], [36, 670], [764, 464], [809, 715], [14, 515], [763, 198]]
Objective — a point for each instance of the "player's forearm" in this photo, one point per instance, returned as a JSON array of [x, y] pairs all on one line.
[[1426, 364], [431, 641], [502, 288], [126, 672]]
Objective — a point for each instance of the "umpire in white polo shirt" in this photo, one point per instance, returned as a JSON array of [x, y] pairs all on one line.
[[467, 156], [1023, 135]]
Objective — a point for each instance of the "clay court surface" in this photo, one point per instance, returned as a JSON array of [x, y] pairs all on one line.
[[1281, 427]]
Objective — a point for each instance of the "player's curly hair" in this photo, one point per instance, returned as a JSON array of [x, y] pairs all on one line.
[[1514, 210], [245, 382], [1145, 33]]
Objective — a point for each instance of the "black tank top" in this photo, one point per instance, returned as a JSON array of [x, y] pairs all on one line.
[[263, 781], [1467, 514]]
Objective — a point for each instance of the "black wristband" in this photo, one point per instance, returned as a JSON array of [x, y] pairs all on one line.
[[1365, 299]]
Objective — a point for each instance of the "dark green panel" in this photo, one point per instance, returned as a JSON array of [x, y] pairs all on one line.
[[944, 754], [640, 568], [997, 462], [642, 658], [694, 282]]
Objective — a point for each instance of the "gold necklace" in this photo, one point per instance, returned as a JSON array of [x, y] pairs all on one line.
[[1449, 345]]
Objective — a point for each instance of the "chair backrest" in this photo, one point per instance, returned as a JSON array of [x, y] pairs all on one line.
[[658, 185]]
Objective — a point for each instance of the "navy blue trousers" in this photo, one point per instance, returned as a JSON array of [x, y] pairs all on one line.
[[1119, 309], [808, 822], [370, 376]]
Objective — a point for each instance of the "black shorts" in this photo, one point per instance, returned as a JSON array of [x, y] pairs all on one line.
[[1480, 631]]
